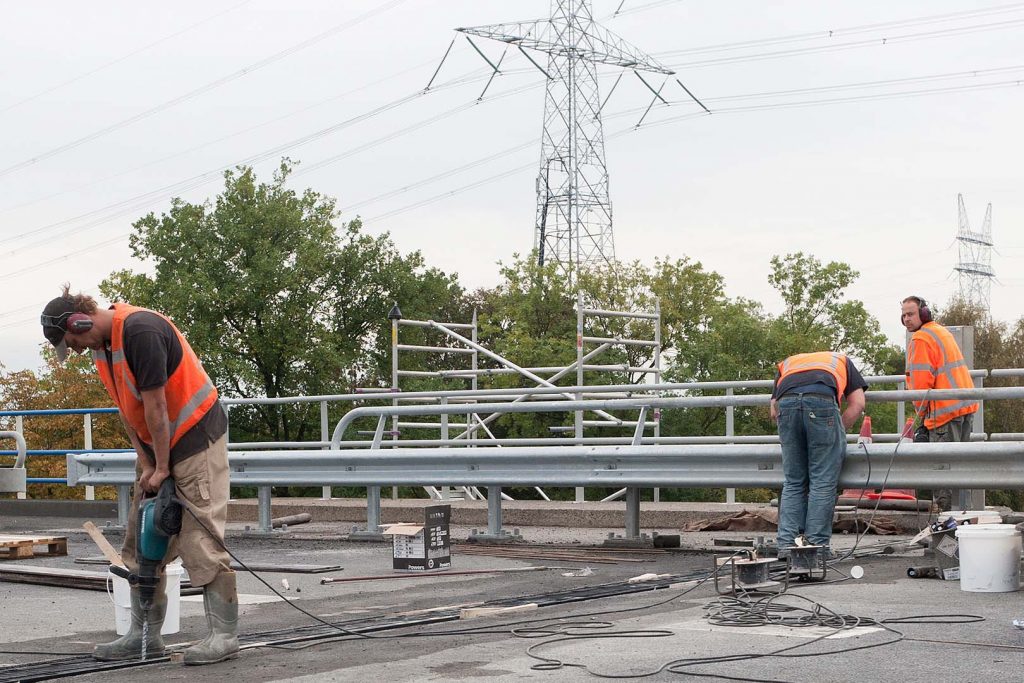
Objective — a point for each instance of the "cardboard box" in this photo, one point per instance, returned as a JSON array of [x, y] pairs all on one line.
[[426, 545]]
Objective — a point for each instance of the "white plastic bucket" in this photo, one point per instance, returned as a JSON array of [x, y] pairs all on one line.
[[989, 558], [121, 597]]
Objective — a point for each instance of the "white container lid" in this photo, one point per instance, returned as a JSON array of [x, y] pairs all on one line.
[[987, 530]]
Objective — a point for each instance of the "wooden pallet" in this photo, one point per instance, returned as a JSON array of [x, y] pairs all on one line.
[[22, 547]]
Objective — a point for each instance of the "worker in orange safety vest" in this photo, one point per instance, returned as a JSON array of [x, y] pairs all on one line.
[[809, 389], [178, 428], [935, 361]]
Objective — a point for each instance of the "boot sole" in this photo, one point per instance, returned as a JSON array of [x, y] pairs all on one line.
[[233, 655], [136, 656]]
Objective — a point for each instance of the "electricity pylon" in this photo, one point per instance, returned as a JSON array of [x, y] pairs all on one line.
[[574, 210], [975, 266]]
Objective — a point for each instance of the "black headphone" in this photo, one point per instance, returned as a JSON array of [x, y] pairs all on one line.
[[922, 309], [79, 322]]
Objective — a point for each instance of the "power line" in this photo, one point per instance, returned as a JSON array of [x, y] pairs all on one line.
[[229, 136], [972, 74], [872, 42], [850, 30], [845, 100], [145, 199], [107, 65], [440, 176], [701, 114], [245, 71], [408, 129], [620, 12]]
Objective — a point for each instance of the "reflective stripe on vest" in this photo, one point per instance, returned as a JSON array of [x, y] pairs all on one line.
[[950, 372], [188, 391], [832, 363]]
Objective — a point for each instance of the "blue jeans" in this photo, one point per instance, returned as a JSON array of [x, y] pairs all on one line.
[[813, 447]]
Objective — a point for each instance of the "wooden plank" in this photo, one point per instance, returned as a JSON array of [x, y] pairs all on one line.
[[113, 557], [252, 566], [68, 578], [473, 612]]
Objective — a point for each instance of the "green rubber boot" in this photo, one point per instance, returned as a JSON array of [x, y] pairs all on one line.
[[129, 646], [220, 598]]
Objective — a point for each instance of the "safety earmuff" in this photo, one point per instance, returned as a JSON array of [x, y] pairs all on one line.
[[79, 322], [923, 311]]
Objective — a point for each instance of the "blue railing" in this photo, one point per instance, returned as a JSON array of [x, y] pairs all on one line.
[[59, 452]]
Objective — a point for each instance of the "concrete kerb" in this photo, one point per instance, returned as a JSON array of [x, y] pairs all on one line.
[[588, 515]]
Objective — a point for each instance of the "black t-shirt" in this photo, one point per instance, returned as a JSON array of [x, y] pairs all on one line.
[[818, 381], [153, 353]]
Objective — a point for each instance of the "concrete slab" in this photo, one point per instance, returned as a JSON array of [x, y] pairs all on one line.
[[58, 622]]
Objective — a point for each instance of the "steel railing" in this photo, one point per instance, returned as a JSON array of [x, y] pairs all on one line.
[[925, 465]]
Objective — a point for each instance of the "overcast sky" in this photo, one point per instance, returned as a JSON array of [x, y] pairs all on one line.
[[110, 109]]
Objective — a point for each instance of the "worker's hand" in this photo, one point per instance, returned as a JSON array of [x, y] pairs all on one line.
[[147, 471], [774, 410], [152, 483]]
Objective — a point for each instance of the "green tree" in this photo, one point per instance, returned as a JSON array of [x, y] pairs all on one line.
[[274, 297], [818, 316]]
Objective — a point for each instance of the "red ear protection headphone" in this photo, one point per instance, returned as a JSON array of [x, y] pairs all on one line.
[[922, 309], [79, 322]]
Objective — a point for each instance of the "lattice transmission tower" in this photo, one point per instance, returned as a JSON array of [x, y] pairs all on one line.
[[975, 266], [574, 210]]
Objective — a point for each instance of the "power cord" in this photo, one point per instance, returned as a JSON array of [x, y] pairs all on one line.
[[506, 630], [878, 502]]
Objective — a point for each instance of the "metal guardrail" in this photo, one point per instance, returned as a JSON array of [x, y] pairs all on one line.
[[633, 466], [923, 465], [532, 399], [991, 393], [14, 479], [976, 465]]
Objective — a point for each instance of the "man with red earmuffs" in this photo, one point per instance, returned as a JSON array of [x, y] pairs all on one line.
[[934, 361], [178, 428]]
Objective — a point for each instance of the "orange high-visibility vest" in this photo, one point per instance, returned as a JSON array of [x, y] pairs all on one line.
[[934, 361], [832, 363], [189, 391]]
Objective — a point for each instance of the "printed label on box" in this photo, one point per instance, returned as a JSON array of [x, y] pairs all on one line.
[[948, 546], [424, 547]]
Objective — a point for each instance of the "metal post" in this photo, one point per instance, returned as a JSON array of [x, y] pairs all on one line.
[[901, 409], [494, 511], [325, 435], [581, 492], [495, 532], [394, 315], [373, 510], [974, 499], [90, 491], [730, 430], [632, 512], [473, 418], [265, 525], [657, 378], [445, 491], [124, 501], [19, 426]]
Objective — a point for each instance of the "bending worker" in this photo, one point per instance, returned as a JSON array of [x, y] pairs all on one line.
[[805, 402], [170, 410], [934, 361]]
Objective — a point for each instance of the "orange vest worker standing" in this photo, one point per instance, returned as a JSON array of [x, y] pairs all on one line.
[[934, 361]]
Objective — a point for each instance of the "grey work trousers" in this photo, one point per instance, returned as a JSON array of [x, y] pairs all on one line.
[[957, 429]]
